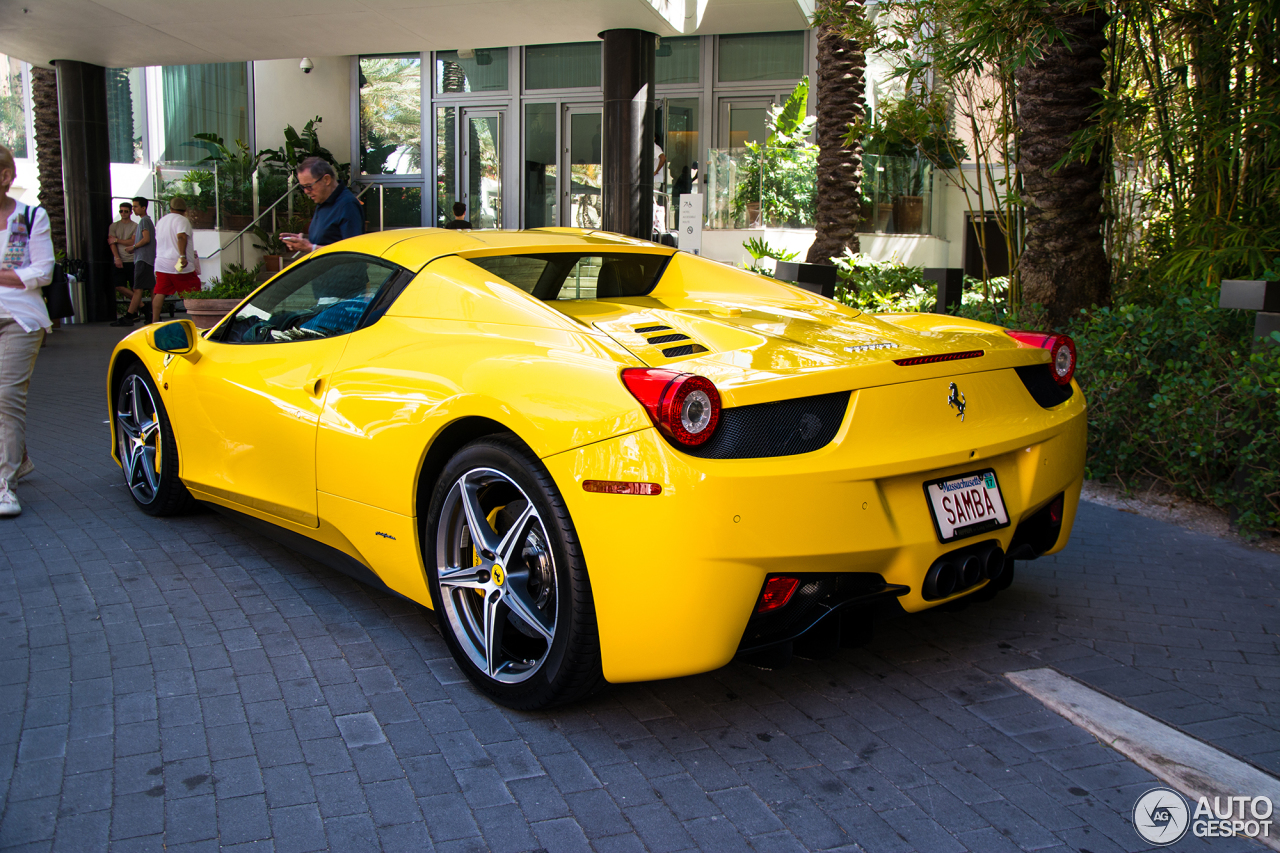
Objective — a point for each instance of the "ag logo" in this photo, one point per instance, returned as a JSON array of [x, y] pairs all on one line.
[[955, 400], [1161, 816], [497, 574]]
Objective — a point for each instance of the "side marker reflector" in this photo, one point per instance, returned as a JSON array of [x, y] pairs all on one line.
[[618, 487]]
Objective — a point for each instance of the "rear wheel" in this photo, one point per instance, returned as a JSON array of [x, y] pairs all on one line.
[[508, 579], [148, 452]]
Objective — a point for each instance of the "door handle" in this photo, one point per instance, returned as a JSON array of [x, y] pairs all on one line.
[[313, 387]]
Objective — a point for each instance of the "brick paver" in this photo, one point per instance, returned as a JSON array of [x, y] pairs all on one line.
[[185, 684]]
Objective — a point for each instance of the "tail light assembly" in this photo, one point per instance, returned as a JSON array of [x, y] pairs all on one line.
[[684, 406], [1062, 352]]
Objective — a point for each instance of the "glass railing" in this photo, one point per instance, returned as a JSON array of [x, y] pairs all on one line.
[[777, 188]]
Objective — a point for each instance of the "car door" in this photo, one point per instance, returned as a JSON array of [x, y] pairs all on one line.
[[246, 411]]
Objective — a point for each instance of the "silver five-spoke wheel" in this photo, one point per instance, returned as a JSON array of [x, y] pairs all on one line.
[[497, 575], [140, 437]]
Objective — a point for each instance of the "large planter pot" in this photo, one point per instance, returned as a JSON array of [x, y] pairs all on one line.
[[884, 213], [201, 218], [753, 214], [866, 216], [908, 214], [206, 313], [271, 263], [236, 221]]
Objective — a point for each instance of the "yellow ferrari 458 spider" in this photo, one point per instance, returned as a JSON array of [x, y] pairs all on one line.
[[601, 459]]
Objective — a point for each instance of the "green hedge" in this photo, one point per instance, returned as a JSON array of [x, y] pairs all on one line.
[[1177, 395]]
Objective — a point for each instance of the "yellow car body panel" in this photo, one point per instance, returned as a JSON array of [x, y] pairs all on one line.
[[675, 576]]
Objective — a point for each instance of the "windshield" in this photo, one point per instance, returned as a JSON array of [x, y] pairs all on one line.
[[578, 275]]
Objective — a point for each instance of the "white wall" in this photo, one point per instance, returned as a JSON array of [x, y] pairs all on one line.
[[283, 95]]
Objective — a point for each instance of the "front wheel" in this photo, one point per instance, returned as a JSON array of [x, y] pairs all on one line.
[[148, 451], [508, 579]]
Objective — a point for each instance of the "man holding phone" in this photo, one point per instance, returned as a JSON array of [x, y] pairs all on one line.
[[338, 214]]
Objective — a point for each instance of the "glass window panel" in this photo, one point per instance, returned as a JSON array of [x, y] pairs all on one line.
[[681, 148], [677, 61], [446, 163], [390, 115], [539, 165], [321, 298], [484, 71], [13, 111], [586, 205], [484, 171], [761, 56], [574, 275], [126, 118], [209, 98], [562, 66]]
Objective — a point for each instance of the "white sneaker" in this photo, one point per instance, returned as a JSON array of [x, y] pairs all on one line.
[[9, 506], [26, 468]]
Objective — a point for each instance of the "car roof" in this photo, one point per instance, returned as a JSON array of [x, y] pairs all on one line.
[[414, 248]]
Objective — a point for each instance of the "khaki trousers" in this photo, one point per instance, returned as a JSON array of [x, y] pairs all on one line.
[[18, 351]]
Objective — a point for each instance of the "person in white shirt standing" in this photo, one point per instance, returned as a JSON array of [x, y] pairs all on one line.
[[177, 265], [26, 265]]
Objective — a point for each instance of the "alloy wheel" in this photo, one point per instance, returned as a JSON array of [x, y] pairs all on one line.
[[497, 575], [140, 438]]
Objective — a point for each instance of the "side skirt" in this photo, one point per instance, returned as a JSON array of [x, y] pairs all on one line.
[[318, 551]]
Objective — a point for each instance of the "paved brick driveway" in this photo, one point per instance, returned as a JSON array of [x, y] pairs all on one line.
[[188, 685]]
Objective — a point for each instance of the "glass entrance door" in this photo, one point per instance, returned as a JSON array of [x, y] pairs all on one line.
[[481, 182], [583, 203]]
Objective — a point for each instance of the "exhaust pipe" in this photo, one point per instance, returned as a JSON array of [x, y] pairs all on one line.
[[941, 580], [994, 563], [971, 568]]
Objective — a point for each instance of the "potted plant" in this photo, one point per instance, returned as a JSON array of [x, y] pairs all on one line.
[[272, 245], [207, 307], [779, 179], [907, 137]]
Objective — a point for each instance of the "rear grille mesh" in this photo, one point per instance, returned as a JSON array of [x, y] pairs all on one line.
[[785, 428], [687, 349], [1042, 387], [667, 339], [644, 330]]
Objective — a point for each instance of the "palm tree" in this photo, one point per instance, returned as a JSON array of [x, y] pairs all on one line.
[[1064, 264], [841, 102], [44, 96]]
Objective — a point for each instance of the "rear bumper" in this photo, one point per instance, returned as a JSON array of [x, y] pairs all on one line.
[[676, 576]]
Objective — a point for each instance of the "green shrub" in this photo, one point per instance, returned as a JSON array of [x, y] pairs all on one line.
[[236, 282], [1176, 395], [882, 286]]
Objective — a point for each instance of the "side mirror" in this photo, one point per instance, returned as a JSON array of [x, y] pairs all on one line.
[[177, 337]]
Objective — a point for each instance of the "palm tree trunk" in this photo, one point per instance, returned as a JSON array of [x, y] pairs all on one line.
[[1064, 264], [44, 96], [841, 101]]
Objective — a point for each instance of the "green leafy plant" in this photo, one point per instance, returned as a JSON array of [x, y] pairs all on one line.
[[236, 282], [760, 249], [871, 285], [781, 175], [269, 241]]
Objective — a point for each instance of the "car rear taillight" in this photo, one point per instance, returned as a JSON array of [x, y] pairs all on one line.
[[683, 405], [777, 592], [1062, 352]]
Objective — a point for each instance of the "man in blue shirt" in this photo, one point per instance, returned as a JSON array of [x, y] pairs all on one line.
[[338, 214]]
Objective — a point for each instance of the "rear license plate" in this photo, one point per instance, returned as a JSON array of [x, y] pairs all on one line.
[[966, 505]]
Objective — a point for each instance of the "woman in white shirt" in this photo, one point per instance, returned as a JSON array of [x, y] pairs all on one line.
[[26, 265]]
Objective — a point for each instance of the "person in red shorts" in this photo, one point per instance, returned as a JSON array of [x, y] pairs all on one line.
[[177, 266]]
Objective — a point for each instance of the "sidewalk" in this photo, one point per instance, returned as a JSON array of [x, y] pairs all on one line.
[[185, 684]]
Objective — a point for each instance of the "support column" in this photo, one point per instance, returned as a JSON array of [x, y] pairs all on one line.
[[627, 134], [86, 179]]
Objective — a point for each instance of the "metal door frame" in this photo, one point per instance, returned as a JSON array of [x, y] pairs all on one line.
[[565, 177]]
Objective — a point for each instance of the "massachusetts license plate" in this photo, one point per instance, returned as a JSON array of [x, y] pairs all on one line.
[[966, 505]]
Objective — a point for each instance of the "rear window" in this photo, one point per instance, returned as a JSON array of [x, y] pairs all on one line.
[[577, 275]]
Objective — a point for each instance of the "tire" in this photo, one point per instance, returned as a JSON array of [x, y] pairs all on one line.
[[514, 603], [148, 451]]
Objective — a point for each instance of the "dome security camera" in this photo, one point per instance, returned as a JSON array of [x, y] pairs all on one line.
[[306, 65]]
